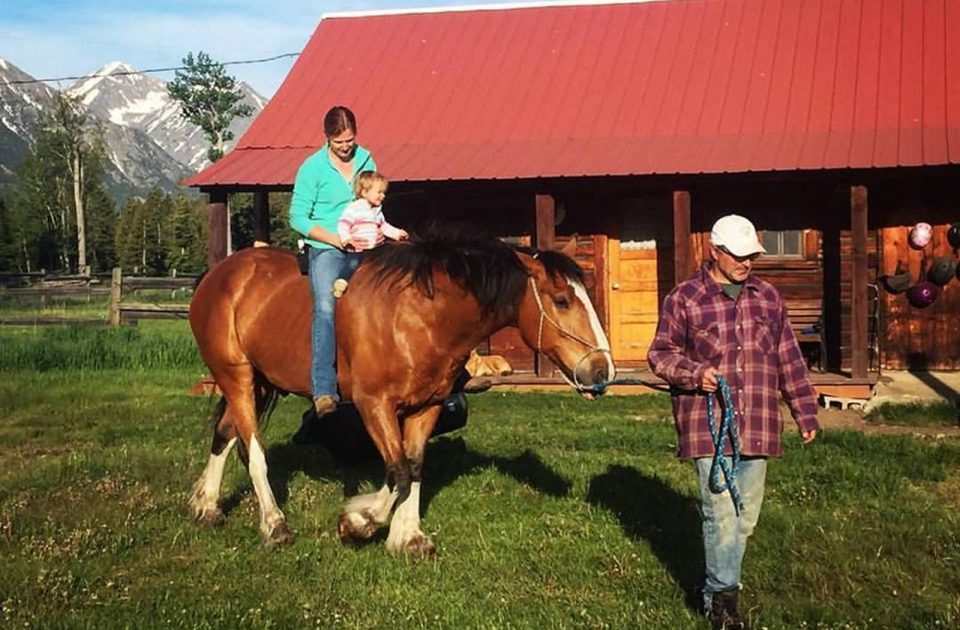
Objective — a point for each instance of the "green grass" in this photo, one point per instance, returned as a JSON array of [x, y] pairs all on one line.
[[938, 414], [155, 344], [548, 512], [17, 305], [13, 304]]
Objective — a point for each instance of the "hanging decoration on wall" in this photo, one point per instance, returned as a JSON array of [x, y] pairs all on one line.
[[898, 281], [920, 235], [923, 294], [953, 235], [942, 270]]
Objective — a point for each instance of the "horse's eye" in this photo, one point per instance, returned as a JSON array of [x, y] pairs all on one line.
[[561, 302]]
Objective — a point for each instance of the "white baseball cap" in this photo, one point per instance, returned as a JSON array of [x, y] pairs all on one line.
[[737, 235]]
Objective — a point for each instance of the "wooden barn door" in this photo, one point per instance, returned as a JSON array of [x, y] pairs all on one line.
[[632, 295]]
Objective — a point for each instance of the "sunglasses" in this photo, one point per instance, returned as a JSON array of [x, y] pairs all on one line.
[[739, 259]]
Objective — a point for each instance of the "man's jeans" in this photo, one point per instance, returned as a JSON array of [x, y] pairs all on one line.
[[724, 533], [326, 265]]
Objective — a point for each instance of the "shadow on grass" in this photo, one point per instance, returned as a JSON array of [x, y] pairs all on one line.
[[447, 459], [650, 510]]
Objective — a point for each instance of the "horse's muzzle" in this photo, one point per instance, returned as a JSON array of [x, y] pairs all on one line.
[[592, 379]]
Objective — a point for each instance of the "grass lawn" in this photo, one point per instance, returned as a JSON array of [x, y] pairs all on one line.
[[915, 414], [548, 512]]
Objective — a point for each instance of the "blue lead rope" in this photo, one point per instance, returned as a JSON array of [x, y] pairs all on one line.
[[728, 426]]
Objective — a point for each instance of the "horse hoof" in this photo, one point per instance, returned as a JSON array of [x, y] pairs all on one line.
[[417, 548], [209, 517], [355, 528], [421, 548], [279, 535]]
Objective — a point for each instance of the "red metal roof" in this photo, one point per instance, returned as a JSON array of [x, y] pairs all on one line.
[[682, 86]]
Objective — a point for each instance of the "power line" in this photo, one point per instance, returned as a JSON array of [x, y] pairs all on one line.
[[147, 71]]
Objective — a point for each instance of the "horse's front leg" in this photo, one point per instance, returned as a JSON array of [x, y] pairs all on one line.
[[364, 514], [405, 536]]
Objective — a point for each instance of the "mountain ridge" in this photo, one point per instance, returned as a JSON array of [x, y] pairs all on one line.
[[148, 143]]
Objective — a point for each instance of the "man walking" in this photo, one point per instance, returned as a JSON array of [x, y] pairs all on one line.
[[726, 323]]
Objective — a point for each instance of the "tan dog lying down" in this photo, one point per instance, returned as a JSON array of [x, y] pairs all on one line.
[[487, 365]]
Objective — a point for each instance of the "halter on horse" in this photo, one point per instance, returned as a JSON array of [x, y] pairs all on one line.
[[405, 329]]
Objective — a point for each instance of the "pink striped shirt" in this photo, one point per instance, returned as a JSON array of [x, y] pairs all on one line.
[[751, 343], [361, 221]]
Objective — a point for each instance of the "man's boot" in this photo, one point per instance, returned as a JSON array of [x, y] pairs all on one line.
[[310, 430], [723, 611]]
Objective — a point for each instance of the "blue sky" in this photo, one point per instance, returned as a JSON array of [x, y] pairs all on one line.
[[55, 38]]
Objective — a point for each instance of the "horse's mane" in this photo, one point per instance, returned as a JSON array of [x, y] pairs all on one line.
[[485, 266]]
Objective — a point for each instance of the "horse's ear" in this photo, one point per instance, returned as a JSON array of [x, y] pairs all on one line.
[[570, 249]]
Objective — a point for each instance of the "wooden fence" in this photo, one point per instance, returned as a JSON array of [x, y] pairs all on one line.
[[43, 289]]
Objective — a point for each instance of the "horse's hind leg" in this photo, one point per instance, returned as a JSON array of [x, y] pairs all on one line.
[[206, 491], [405, 534], [238, 388]]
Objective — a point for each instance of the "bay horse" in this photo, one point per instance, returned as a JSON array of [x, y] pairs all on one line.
[[405, 328]]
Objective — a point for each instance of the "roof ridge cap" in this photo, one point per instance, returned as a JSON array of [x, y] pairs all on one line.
[[500, 6]]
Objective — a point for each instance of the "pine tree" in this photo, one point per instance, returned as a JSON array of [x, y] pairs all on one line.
[[187, 250], [209, 98], [8, 238], [127, 237], [56, 184]]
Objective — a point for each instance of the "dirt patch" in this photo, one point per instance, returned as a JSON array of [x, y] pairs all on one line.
[[851, 419]]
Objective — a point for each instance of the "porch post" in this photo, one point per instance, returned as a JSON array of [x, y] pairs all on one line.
[[681, 236], [858, 260], [217, 226], [545, 222], [543, 238], [261, 218]]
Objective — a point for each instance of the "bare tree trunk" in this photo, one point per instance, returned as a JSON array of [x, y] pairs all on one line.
[[62, 228], [26, 256], [77, 168]]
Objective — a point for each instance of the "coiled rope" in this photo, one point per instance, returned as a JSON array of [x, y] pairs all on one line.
[[728, 427]]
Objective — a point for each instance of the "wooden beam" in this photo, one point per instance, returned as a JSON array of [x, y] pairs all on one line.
[[858, 326], [545, 222], [682, 259], [261, 218], [544, 235], [116, 294], [217, 227]]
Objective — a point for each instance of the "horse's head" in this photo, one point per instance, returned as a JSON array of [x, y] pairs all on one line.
[[557, 318]]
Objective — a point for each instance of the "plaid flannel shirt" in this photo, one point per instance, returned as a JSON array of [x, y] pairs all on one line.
[[751, 343]]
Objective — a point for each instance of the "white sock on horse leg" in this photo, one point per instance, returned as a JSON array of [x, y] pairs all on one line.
[[206, 491], [270, 514], [406, 520]]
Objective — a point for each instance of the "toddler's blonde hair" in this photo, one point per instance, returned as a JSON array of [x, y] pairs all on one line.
[[366, 180]]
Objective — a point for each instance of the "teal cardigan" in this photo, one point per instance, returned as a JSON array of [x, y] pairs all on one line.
[[320, 193]]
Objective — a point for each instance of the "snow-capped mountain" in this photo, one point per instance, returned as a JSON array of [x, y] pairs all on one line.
[[20, 106], [148, 144], [138, 101]]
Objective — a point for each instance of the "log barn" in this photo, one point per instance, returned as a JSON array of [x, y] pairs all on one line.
[[834, 125]]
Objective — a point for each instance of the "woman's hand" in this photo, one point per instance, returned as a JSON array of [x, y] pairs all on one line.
[[317, 233], [402, 235]]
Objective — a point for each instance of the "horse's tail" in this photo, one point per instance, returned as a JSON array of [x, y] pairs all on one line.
[[266, 396], [219, 409]]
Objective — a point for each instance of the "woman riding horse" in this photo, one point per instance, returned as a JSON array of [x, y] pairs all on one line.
[[425, 306]]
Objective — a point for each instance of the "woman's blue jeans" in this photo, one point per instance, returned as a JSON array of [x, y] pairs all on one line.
[[724, 533], [326, 265]]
